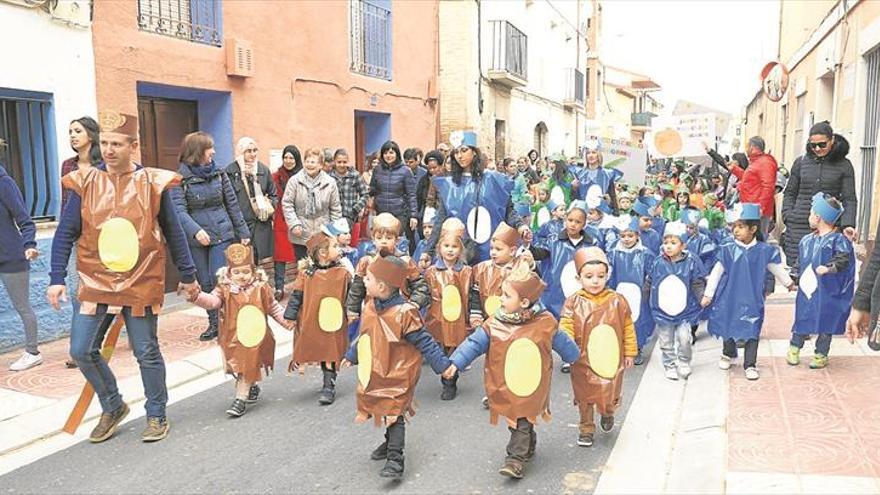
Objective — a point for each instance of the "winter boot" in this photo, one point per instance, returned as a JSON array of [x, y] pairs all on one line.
[[450, 388], [328, 391], [394, 459], [380, 452], [518, 449]]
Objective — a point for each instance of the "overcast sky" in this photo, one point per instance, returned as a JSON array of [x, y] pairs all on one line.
[[708, 52]]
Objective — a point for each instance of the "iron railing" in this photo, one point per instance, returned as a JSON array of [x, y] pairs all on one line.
[[509, 49], [574, 85], [193, 20], [869, 146], [370, 39]]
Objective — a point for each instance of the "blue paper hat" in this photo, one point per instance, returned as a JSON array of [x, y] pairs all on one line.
[[731, 216], [578, 204], [627, 222], [750, 211], [552, 205], [691, 217], [676, 229], [651, 201], [463, 138], [522, 209], [641, 208], [604, 207], [336, 228], [823, 208]]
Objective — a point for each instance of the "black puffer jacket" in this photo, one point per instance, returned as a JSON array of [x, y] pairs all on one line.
[[831, 174]]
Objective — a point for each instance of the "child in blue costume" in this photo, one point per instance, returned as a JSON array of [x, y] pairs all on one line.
[[647, 235], [677, 280], [340, 231], [550, 229], [427, 229], [736, 284], [601, 220], [630, 263], [561, 276], [826, 282], [698, 243], [658, 223]]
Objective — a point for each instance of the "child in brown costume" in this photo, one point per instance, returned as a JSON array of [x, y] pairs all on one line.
[[485, 296], [599, 320], [245, 299], [316, 313], [388, 352], [450, 282], [517, 342]]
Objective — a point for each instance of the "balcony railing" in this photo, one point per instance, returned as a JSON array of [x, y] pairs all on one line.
[[575, 88], [509, 54], [370, 39], [642, 119], [193, 20]]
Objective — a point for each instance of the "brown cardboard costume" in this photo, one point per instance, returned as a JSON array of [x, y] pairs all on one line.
[[447, 317], [412, 272], [488, 276], [322, 331], [597, 376], [244, 335], [388, 366], [121, 250]]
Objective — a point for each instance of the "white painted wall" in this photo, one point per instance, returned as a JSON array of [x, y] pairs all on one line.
[[44, 55]]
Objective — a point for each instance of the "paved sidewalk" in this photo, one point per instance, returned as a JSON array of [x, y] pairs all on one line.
[[36, 402], [795, 430]]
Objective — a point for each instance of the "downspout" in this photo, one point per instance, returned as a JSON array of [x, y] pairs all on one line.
[[480, 57]]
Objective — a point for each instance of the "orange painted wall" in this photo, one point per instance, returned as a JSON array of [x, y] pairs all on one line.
[[302, 91]]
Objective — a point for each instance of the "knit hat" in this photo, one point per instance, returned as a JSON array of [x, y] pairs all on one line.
[[239, 255], [506, 234], [589, 254], [389, 269], [823, 208]]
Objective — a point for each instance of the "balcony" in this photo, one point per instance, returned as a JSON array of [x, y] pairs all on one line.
[[642, 119], [509, 55], [199, 21], [574, 89]]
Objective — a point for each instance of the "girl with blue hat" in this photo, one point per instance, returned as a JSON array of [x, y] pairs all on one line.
[[647, 234], [735, 288], [827, 275]]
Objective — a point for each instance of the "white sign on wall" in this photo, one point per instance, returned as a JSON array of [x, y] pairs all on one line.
[[680, 135]]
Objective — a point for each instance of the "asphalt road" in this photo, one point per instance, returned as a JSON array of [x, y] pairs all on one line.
[[287, 443]]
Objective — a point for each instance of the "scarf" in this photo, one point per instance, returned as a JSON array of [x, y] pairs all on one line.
[[310, 184], [517, 318], [284, 176], [203, 171], [260, 204]]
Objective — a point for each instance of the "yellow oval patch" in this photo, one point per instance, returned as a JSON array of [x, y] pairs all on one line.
[[451, 303], [118, 245], [250, 326], [603, 351], [522, 367], [330, 314], [492, 305], [365, 360]]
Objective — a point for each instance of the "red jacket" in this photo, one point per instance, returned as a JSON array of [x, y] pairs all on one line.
[[757, 183]]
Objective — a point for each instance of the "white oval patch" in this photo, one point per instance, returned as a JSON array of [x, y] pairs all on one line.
[[543, 216], [479, 227], [808, 282], [569, 279], [633, 295], [672, 295], [594, 195], [557, 195]]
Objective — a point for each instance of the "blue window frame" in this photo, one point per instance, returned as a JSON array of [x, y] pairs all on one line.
[[200, 21], [371, 38]]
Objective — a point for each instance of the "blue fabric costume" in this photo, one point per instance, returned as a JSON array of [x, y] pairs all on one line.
[[491, 205], [651, 240], [737, 310], [594, 184], [559, 273], [663, 275], [828, 304], [630, 267], [702, 246]]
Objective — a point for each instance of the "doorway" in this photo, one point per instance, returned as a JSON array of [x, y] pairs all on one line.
[[500, 142], [371, 130], [163, 125]]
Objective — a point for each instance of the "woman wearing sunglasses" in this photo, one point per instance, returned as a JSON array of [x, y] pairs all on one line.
[[823, 168]]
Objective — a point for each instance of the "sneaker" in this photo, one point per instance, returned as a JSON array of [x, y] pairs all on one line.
[[725, 362], [684, 371], [672, 373], [157, 429], [380, 452], [279, 295], [512, 469], [585, 440], [639, 359], [566, 368], [606, 423], [818, 362], [794, 356], [752, 374], [108, 423], [253, 394], [237, 408], [26, 361], [485, 402]]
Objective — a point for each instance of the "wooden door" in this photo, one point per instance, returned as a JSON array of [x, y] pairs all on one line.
[[359, 143], [164, 124]]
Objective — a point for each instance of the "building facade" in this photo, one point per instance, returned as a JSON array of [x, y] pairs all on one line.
[[832, 50], [515, 73]]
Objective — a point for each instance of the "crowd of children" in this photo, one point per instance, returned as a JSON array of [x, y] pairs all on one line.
[[597, 276]]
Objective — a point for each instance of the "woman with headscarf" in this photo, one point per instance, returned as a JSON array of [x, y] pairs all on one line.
[[310, 201], [256, 195], [824, 168], [291, 164]]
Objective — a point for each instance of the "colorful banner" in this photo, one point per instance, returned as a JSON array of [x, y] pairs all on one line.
[[621, 154], [680, 135]]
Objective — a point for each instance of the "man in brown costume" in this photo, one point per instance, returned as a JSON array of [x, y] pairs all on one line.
[[517, 342], [122, 216], [389, 353]]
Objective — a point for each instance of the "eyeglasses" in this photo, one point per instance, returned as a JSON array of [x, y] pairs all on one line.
[[820, 145]]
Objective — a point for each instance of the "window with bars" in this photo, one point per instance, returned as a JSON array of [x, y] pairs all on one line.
[[29, 154], [199, 21], [371, 38]]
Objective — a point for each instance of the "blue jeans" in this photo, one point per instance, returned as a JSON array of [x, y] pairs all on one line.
[[280, 267], [668, 335], [86, 338], [823, 342], [209, 259]]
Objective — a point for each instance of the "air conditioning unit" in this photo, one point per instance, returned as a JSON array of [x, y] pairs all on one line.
[[76, 13], [239, 58]]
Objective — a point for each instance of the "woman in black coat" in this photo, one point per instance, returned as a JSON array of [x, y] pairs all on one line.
[[824, 168]]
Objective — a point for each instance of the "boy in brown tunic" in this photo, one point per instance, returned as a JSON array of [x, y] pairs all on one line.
[[485, 295], [517, 342], [599, 320], [389, 353], [245, 299]]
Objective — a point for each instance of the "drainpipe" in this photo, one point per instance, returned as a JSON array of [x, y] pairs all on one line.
[[480, 56]]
